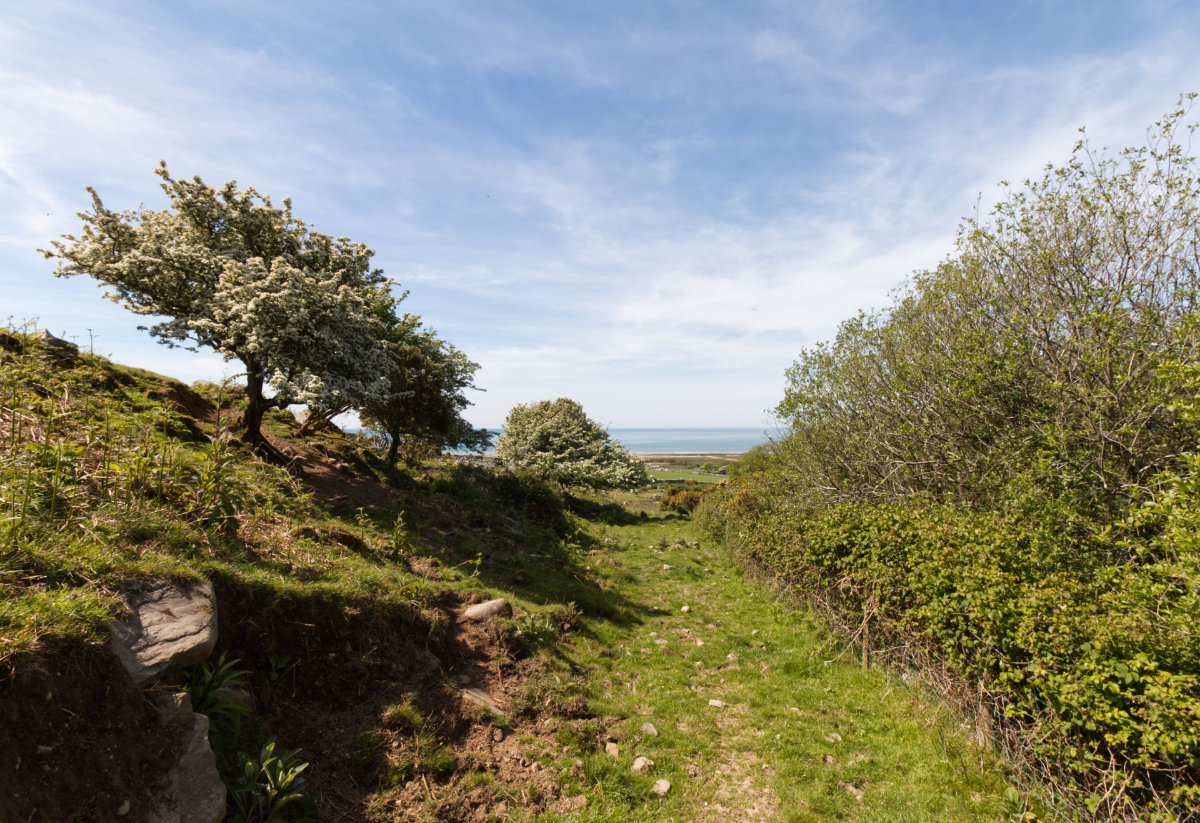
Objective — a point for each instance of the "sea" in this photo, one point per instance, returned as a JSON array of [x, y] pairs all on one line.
[[684, 441], [688, 441]]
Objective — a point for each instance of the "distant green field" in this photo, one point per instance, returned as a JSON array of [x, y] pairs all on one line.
[[699, 467], [684, 474]]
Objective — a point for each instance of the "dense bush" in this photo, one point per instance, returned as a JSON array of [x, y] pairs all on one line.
[[1032, 361], [999, 475], [1094, 666], [685, 497]]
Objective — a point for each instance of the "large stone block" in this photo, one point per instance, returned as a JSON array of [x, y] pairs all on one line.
[[173, 625]]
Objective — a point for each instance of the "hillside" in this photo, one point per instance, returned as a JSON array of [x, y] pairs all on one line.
[[340, 586], [338, 583]]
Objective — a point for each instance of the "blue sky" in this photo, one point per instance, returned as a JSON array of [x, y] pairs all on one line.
[[649, 207]]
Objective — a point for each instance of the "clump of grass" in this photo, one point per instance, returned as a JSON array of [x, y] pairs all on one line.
[[404, 717], [216, 692], [366, 754]]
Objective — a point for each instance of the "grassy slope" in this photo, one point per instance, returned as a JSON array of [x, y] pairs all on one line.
[[112, 475]]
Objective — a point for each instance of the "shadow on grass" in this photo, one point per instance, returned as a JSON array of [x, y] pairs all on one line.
[[515, 533], [610, 514]]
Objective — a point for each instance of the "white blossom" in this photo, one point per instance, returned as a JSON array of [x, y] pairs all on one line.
[[228, 270]]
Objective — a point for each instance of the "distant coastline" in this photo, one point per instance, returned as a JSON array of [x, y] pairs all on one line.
[[651, 441]]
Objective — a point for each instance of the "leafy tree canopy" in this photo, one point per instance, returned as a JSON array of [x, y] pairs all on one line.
[[421, 412], [227, 269], [556, 440], [1033, 361]]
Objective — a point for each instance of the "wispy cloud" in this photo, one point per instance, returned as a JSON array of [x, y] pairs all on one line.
[[649, 209]]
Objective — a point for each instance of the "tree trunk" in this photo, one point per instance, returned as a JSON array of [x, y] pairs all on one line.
[[256, 404], [319, 420], [394, 448]]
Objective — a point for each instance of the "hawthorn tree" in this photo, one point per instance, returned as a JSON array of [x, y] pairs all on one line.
[[557, 441], [228, 270], [423, 404]]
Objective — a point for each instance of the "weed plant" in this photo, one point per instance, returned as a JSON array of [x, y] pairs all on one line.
[[268, 788]]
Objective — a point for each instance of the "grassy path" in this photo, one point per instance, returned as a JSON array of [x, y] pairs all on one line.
[[797, 732]]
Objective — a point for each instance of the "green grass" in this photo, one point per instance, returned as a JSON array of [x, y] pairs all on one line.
[[667, 475], [805, 728], [104, 482], [703, 462], [698, 467]]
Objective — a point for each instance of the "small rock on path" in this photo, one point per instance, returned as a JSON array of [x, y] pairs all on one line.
[[641, 766], [487, 610]]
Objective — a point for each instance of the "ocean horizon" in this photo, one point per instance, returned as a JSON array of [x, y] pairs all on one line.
[[685, 440]]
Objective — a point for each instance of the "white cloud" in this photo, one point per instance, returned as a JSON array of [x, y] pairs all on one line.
[[654, 210]]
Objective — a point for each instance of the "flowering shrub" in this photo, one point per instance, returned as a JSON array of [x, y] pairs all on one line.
[[557, 441], [684, 499], [232, 272]]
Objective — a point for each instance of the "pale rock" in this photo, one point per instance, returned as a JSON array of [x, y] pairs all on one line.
[[716, 704], [482, 699], [641, 766], [487, 610], [194, 792], [45, 338], [852, 790], [661, 787], [685, 609], [612, 749], [173, 625], [833, 737], [649, 730]]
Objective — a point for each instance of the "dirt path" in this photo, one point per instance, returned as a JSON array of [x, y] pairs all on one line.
[[758, 714]]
